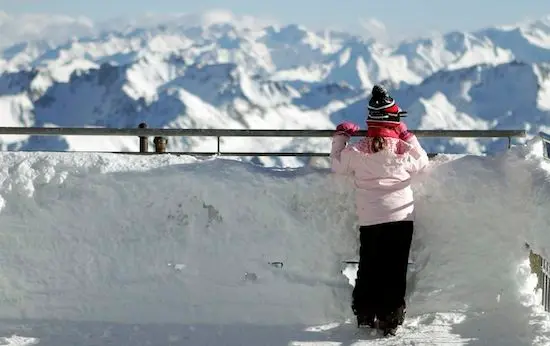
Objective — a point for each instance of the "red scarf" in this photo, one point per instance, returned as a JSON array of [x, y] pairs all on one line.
[[382, 129]]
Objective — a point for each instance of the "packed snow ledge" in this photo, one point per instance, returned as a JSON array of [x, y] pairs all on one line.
[[131, 250]]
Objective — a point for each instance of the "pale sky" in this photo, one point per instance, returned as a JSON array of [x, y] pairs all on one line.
[[399, 17]]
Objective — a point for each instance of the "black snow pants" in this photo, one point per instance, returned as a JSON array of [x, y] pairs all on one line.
[[382, 275]]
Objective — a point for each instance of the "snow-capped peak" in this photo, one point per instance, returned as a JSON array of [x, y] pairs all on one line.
[[199, 70]]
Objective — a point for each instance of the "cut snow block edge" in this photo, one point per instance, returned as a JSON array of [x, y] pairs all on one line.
[[103, 234]]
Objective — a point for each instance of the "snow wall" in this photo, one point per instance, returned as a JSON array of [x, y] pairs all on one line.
[[173, 240]]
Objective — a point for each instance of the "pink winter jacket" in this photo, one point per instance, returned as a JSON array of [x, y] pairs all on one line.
[[382, 180]]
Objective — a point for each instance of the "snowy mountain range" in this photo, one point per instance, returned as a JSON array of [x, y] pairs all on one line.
[[217, 70]]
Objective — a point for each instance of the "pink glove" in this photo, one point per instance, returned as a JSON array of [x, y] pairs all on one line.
[[347, 128], [404, 133]]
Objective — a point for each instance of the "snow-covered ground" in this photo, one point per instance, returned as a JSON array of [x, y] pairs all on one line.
[[104, 249]]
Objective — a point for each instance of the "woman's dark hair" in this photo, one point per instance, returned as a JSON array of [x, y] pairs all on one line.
[[378, 143]]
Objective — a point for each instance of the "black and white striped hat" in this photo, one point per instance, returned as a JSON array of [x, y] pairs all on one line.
[[382, 107]]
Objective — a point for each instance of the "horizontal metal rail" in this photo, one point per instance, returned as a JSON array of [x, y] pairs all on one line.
[[238, 153], [160, 144], [149, 132]]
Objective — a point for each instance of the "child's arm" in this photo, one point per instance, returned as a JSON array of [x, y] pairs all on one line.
[[340, 157], [419, 157]]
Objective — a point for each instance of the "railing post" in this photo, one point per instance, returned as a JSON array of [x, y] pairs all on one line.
[[160, 144], [218, 147], [540, 267], [545, 143], [546, 284], [143, 141]]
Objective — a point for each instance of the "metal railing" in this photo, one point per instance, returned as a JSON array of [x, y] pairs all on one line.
[[545, 282], [546, 142], [160, 142], [539, 264], [541, 267]]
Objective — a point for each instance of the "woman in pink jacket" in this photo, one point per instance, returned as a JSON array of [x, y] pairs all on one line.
[[382, 165]]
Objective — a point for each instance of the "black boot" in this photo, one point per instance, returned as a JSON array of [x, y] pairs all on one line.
[[390, 331], [390, 322], [387, 327], [401, 311], [365, 321]]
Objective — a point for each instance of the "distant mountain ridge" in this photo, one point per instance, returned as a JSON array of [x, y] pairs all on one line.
[[218, 71]]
